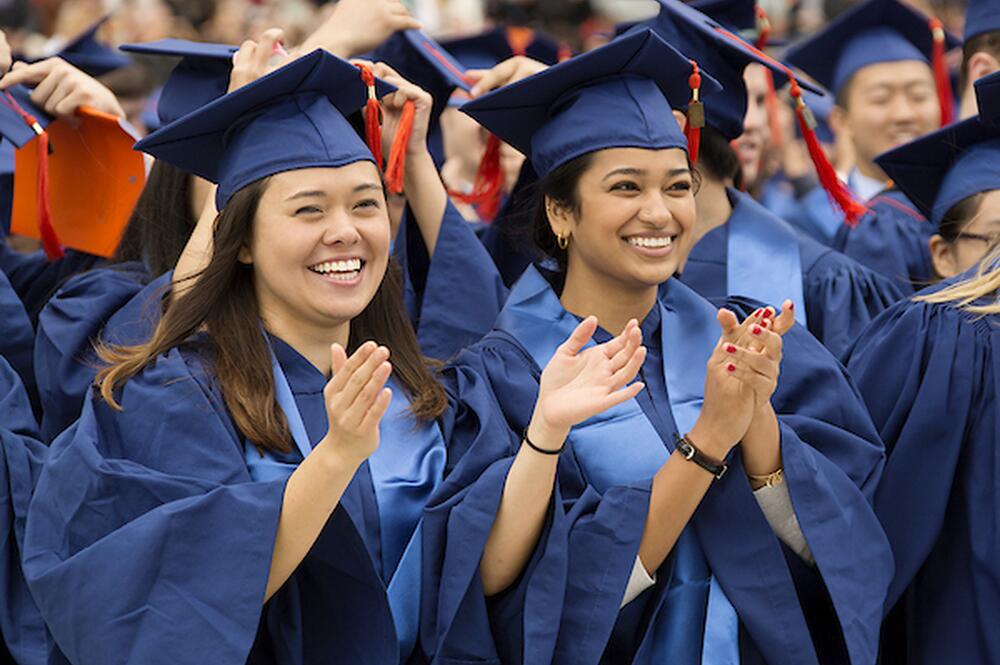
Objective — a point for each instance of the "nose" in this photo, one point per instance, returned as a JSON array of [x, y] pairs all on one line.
[[655, 210], [340, 230], [902, 109]]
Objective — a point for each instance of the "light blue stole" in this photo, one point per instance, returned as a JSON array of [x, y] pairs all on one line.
[[406, 468], [621, 447], [762, 256]]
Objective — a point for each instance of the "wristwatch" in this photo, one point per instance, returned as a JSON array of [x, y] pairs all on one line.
[[686, 448]]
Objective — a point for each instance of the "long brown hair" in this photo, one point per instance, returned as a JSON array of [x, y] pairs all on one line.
[[222, 301]]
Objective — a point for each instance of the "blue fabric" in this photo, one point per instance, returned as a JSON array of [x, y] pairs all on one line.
[[832, 459], [892, 239], [840, 297], [455, 296], [35, 279], [18, 337], [931, 376], [487, 49], [68, 325], [811, 213], [292, 118], [871, 47], [618, 95], [988, 97], [86, 53], [162, 490], [22, 631], [981, 16]]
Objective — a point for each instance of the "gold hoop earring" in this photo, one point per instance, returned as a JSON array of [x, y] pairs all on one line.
[[562, 241]]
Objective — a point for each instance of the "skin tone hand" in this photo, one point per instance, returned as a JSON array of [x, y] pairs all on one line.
[[60, 88], [576, 384], [358, 26], [507, 72], [421, 181], [255, 59], [356, 399], [5, 55]]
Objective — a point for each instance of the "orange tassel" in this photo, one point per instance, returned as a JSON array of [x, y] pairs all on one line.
[[487, 191], [695, 115], [519, 38], [437, 55], [373, 116], [395, 168], [763, 28], [941, 78], [843, 198], [46, 231]]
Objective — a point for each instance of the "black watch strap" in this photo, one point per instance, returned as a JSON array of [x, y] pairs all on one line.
[[686, 448]]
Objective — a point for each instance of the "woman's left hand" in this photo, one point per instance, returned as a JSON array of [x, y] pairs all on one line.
[[255, 59]]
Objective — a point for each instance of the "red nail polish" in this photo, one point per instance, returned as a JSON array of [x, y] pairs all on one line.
[[731, 349], [791, 305], [767, 314], [756, 330], [731, 367]]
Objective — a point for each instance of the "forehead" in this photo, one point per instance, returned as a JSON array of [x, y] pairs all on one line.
[[329, 180], [897, 74], [755, 78], [653, 161]]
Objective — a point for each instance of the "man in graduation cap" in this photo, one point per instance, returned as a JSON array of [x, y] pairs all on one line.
[[980, 50], [884, 62]]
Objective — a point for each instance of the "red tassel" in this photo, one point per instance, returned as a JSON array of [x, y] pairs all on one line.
[[373, 116], [46, 231], [843, 198], [695, 115], [487, 191], [395, 168], [519, 38], [763, 28], [941, 78]]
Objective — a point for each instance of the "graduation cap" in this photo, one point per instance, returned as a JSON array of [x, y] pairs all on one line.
[[201, 75], [618, 95], [981, 16], [874, 32], [425, 63], [86, 53], [291, 118], [487, 49], [988, 97], [51, 201], [945, 167]]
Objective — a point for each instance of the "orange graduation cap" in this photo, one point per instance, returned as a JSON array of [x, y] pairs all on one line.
[[76, 179]]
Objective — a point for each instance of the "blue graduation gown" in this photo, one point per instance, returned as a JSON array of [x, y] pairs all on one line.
[[832, 459], [453, 297], [892, 240], [810, 212], [35, 278], [22, 631], [17, 337], [931, 377], [68, 325], [840, 296]]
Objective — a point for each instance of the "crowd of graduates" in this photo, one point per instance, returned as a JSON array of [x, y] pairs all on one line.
[[328, 335]]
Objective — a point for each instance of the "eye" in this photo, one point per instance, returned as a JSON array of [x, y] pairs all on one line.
[[625, 186], [367, 204], [308, 210], [680, 186]]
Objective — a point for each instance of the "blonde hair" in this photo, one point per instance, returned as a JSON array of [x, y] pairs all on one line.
[[964, 294]]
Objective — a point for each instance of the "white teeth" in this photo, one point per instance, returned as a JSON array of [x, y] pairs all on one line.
[[657, 242], [348, 266]]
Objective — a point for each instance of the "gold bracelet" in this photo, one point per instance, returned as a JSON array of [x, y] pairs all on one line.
[[768, 480]]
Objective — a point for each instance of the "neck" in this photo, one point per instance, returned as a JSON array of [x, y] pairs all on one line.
[[311, 341], [613, 303], [968, 107], [712, 206], [871, 170]]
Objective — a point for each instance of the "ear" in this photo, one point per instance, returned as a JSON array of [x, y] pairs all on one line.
[[942, 257], [838, 121], [561, 219], [681, 119], [244, 256], [981, 64]]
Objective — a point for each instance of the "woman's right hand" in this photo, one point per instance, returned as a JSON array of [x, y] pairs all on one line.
[[255, 59], [578, 384], [356, 399]]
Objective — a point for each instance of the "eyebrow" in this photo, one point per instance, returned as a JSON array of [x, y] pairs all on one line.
[[629, 170], [365, 187], [318, 193]]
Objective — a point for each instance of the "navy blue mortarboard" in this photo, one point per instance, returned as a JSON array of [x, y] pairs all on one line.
[[292, 118], [201, 76], [738, 15], [945, 167], [981, 16], [988, 97], [487, 49], [873, 32], [619, 95], [719, 52], [86, 53]]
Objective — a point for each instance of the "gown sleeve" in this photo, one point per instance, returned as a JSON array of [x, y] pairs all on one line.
[[146, 539], [891, 240], [456, 294], [68, 326], [841, 295], [18, 338], [460, 624], [35, 278], [22, 630]]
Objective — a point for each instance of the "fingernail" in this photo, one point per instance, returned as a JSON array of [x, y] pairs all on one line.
[[756, 330], [731, 367], [764, 323], [791, 305], [731, 349]]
